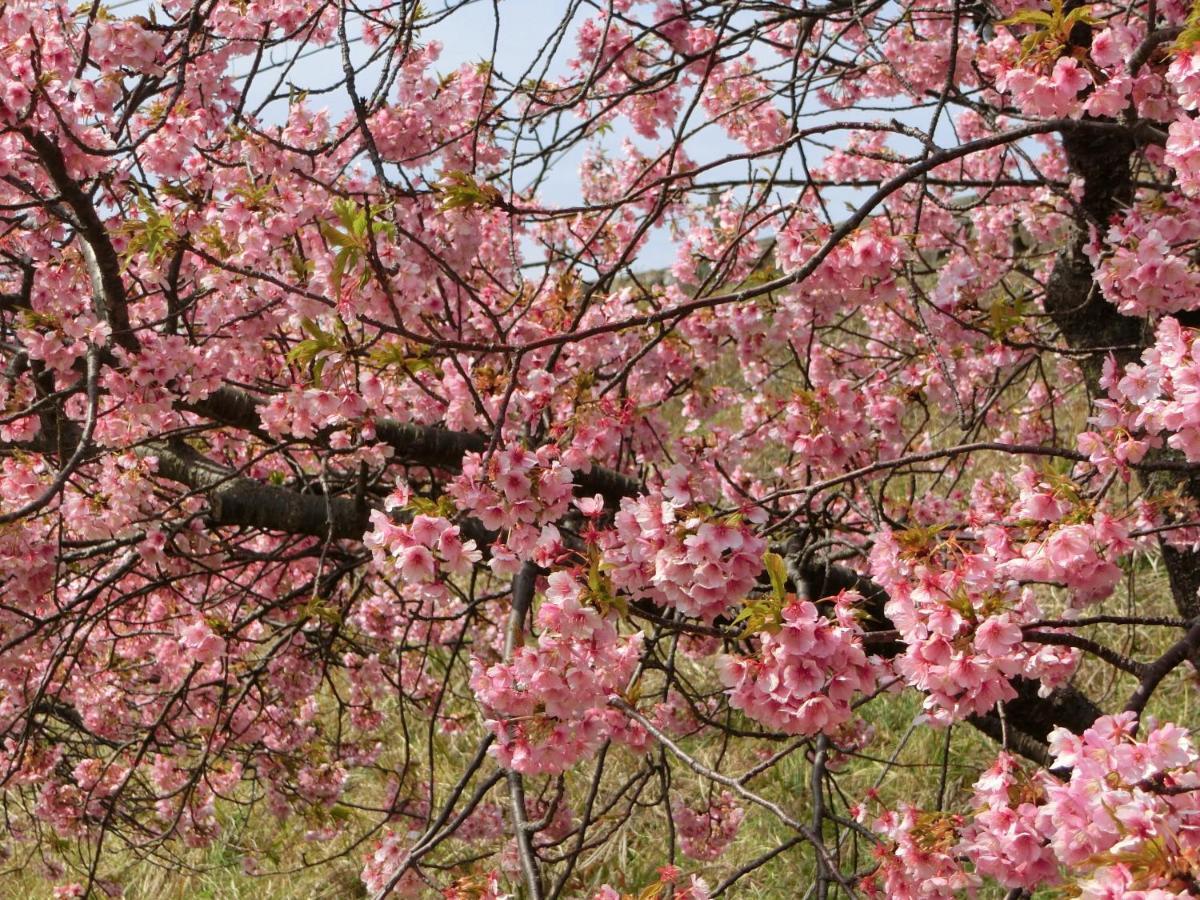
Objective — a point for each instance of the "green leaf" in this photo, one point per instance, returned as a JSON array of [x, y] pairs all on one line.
[[761, 614], [1005, 314], [442, 507], [459, 190], [777, 570], [1029, 17], [360, 225], [153, 234], [600, 592], [335, 237], [1052, 30], [396, 356], [313, 351], [343, 261], [1191, 33]]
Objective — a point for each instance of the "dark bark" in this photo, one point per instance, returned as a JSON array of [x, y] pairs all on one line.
[[236, 500], [103, 262], [415, 445]]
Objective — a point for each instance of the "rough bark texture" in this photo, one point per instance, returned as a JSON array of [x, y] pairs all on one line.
[[235, 500], [1073, 299]]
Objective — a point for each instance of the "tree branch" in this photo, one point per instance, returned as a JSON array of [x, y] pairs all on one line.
[[100, 256]]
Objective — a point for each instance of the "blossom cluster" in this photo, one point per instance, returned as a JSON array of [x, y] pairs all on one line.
[[1057, 83], [1145, 261], [806, 672], [1123, 823], [959, 603], [420, 551], [549, 703], [1160, 396], [664, 548], [706, 833], [919, 859], [520, 493], [384, 860]]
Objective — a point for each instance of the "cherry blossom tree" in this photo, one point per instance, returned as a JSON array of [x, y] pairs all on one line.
[[356, 475]]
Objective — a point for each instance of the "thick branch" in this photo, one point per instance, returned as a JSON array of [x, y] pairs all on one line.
[[103, 263], [1154, 673], [419, 445], [522, 599], [236, 500]]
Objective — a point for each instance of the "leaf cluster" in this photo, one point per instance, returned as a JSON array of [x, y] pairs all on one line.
[[360, 225], [1051, 30], [460, 190]]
